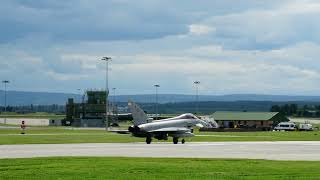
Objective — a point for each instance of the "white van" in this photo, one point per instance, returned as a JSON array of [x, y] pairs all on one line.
[[285, 126], [305, 127]]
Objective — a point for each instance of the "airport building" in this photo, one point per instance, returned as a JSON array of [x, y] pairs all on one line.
[[248, 120], [90, 112]]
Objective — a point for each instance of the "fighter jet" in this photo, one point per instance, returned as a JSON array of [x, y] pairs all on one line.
[[176, 127]]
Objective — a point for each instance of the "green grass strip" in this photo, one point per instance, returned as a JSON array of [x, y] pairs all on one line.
[[155, 168]]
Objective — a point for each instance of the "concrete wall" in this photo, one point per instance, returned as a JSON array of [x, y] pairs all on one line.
[[55, 122], [28, 121], [89, 123]]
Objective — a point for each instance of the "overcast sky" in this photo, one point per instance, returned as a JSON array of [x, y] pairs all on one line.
[[230, 46]]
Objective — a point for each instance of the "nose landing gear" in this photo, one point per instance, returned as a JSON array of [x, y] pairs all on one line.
[[148, 140]]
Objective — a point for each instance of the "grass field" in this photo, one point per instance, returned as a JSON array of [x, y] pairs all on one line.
[[155, 168], [60, 135], [52, 135]]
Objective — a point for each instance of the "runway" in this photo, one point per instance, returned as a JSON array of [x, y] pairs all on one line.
[[293, 150]]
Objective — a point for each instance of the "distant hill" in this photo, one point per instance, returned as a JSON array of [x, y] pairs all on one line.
[[176, 98], [36, 98], [212, 106], [47, 98]]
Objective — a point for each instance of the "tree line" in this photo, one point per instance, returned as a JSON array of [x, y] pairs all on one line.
[[54, 108], [295, 110]]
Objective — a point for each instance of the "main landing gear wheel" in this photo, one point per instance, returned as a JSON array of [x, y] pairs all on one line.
[[175, 140], [183, 141], [148, 140]]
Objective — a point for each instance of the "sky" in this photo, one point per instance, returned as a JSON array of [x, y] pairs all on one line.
[[230, 46]]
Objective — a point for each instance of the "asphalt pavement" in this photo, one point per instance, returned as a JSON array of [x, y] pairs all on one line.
[[293, 150]]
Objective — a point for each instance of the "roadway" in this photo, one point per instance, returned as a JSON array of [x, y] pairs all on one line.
[[293, 150]]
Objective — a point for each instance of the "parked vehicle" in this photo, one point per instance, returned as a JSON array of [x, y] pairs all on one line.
[[286, 126], [305, 127]]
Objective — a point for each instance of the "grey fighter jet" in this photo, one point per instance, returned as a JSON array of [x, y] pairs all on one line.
[[176, 127]]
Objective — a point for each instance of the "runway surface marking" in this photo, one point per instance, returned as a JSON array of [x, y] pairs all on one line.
[[293, 150]]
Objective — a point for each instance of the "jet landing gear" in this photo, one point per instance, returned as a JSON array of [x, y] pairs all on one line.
[[176, 140], [148, 140]]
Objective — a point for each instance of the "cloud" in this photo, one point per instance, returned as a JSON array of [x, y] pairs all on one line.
[[198, 29], [80, 20], [220, 70], [268, 28], [19, 61], [65, 76], [86, 62], [231, 47]]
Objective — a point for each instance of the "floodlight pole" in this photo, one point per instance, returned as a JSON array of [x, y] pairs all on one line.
[[5, 99], [107, 59], [197, 95], [114, 95], [156, 106], [114, 110], [114, 101]]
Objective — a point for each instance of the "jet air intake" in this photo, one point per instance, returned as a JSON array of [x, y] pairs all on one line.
[[136, 131]]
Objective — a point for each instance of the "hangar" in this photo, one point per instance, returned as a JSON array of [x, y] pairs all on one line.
[[261, 120]]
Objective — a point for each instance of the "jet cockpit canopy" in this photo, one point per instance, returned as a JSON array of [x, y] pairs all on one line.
[[186, 116]]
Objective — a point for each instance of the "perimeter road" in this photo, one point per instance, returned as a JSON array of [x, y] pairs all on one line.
[[303, 150]]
